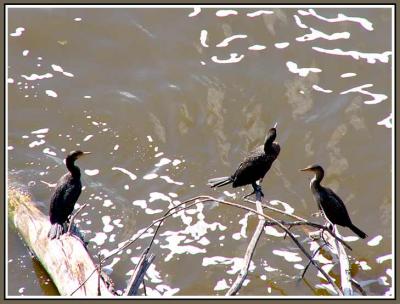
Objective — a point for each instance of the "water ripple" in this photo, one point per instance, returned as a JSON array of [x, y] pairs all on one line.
[[226, 41], [340, 17], [224, 13], [315, 34], [303, 72], [259, 13], [370, 57], [234, 58], [377, 98], [196, 11]]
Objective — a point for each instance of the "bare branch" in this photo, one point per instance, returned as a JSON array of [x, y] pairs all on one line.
[[138, 274], [249, 252], [345, 275]]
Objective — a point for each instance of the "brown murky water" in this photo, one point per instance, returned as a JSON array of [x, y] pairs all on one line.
[[165, 102]]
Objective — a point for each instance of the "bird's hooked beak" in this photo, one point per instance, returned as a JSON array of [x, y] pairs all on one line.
[[309, 168], [85, 153]]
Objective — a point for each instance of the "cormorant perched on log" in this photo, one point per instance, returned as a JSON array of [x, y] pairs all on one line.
[[331, 205], [254, 167], [67, 191]]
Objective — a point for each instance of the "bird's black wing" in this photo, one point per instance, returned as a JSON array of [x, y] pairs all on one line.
[[64, 198], [250, 160], [57, 201], [334, 208], [252, 168]]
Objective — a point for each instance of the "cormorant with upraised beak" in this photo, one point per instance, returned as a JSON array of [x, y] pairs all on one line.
[[254, 167]]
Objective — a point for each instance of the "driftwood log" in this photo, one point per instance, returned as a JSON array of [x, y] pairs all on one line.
[[66, 260]]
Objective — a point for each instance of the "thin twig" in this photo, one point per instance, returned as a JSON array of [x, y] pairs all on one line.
[[99, 276], [84, 282], [358, 286], [71, 221], [309, 262], [144, 287]]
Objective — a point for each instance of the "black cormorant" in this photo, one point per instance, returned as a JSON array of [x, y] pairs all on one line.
[[331, 205], [66, 194], [254, 167]]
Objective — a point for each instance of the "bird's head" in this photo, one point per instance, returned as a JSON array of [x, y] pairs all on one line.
[[313, 168], [74, 155], [271, 135]]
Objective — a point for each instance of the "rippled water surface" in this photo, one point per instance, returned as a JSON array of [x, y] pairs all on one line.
[[167, 98]]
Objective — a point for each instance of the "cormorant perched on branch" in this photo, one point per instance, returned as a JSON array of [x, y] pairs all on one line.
[[253, 167], [331, 205], [67, 191]]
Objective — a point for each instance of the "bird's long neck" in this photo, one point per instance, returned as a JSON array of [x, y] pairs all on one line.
[[316, 180], [74, 170], [268, 143]]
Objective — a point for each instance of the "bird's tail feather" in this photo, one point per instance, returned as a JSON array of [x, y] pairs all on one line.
[[357, 231], [55, 231], [219, 181]]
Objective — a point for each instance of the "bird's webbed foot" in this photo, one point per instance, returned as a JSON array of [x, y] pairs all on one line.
[[56, 231], [59, 232], [257, 190]]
